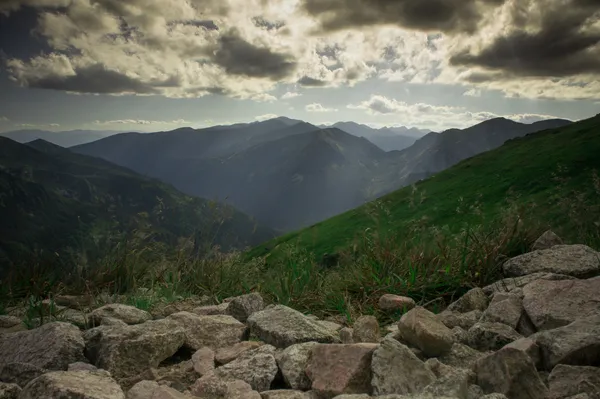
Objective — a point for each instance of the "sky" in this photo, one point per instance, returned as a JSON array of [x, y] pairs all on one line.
[[150, 65]]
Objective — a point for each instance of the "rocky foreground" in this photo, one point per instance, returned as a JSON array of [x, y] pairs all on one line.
[[533, 335]]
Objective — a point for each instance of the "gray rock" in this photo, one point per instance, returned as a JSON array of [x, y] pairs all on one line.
[[212, 387], [20, 373], [460, 335], [422, 329], [11, 324], [257, 367], [281, 327], [211, 310], [203, 361], [573, 260], [217, 331], [9, 391], [284, 394], [474, 299], [566, 381], [366, 329], [292, 362], [73, 385], [347, 335], [504, 308], [126, 350], [510, 372], [461, 356], [529, 347], [230, 353], [396, 370], [546, 241], [552, 304], [242, 307], [576, 344], [514, 283], [128, 314], [52, 346], [153, 390], [81, 366], [390, 302], [454, 384], [462, 320], [491, 336]]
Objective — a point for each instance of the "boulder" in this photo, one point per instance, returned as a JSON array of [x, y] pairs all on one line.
[[504, 308], [566, 381], [455, 384], [73, 385], [211, 386], [461, 356], [128, 314], [547, 240], [576, 344], [52, 346], [336, 369], [20, 373], [347, 335], [293, 362], [211, 310], [217, 331], [203, 361], [281, 327], [366, 329], [510, 372], [127, 350], [514, 283], [257, 367], [390, 302], [397, 370], [77, 302], [9, 391], [579, 261], [284, 394], [81, 366], [242, 307], [474, 299], [230, 353], [153, 390], [485, 336], [462, 320], [552, 304], [529, 347], [10, 324], [422, 329]]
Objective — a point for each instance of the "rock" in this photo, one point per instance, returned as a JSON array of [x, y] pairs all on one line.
[[183, 305], [336, 369], [566, 381], [422, 329], [212, 387], [293, 362], [153, 390], [504, 308], [10, 324], [475, 392], [573, 260], [510, 372], [529, 347], [474, 299], [552, 304], [257, 367], [460, 335], [576, 344], [217, 331], [491, 336], [243, 306], [81, 366], [462, 320], [281, 327], [514, 283], [111, 321], [53, 346], [204, 361], [9, 391], [284, 394], [230, 353], [366, 329], [397, 370], [77, 302], [546, 241], [454, 384], [73, 385], [347, 335], [332, 326], [128, 314], [127, 350], [20, 373], [461, 356], [389, 302], [494, 396], [211, 310], [75, 317]]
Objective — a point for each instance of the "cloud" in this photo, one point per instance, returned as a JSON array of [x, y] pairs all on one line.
[[54, 125], [425, 15], [289, 95], [316, 107], [307, 81], [265, 117], [141, 122], [433, 116], [6, 6], [472, 93], [4, 119]]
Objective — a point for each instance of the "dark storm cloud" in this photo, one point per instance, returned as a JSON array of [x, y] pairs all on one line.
[[261, 22], [207, 24], [92, 79], [565, 45], [239, 57], [426, 15], [307, 81]]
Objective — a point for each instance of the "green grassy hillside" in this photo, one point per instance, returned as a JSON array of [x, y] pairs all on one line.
[[539, 173]]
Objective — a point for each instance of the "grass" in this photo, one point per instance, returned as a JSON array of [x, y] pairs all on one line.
[[432, 241]]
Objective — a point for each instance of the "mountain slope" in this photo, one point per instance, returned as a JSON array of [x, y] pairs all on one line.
[[57, 201], [63, 139], [542, 168], [388, 139]]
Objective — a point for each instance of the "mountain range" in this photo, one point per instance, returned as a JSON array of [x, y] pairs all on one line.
[[289, 174], [386, 138], [64, 139], [57, 201]]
